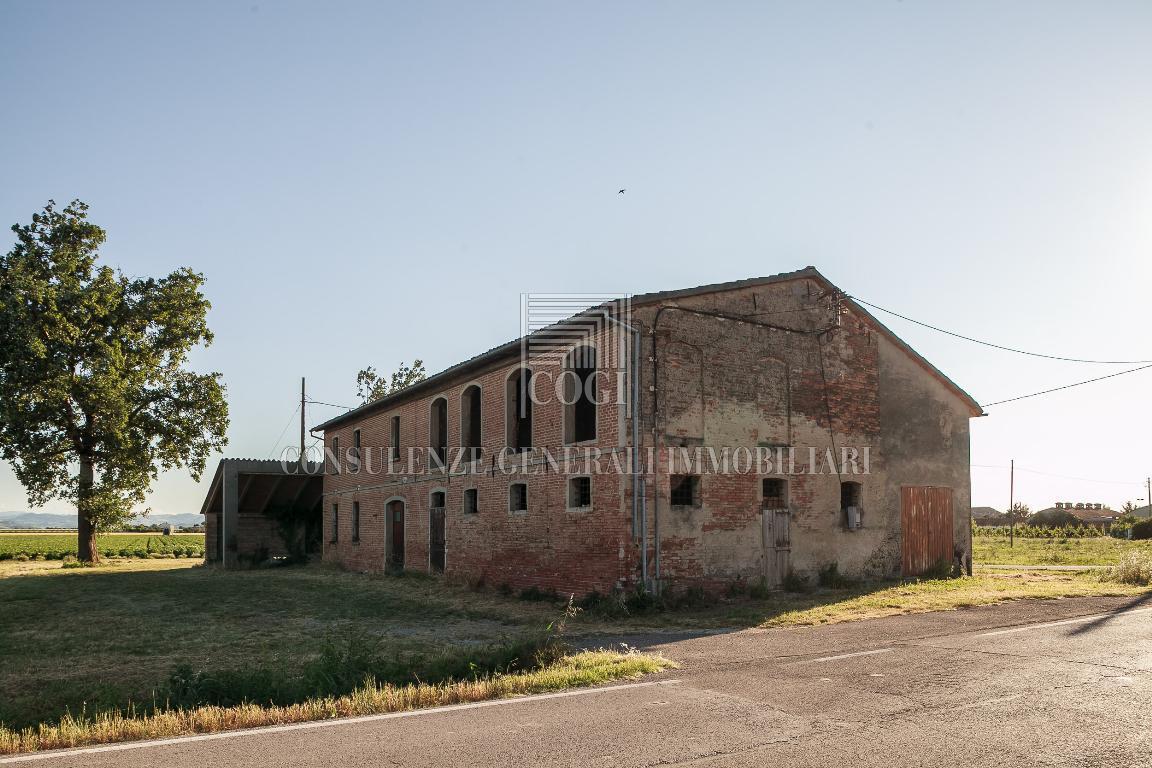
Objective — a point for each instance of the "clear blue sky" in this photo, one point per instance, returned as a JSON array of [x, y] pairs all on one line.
[[364, 183]]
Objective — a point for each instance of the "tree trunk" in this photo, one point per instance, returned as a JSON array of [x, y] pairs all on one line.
[[86, 551]]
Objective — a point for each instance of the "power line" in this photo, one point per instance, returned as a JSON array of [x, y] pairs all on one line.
[[1066, 386], [283, 431], [332, 405], [998, 346]]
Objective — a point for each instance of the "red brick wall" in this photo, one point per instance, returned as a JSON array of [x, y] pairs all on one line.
[[548, 546], [719, 382]]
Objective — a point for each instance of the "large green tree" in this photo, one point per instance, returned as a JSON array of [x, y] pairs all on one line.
[[95, 399]]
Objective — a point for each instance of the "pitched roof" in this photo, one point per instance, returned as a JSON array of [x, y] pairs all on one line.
[[509, 348], [1084, 514]]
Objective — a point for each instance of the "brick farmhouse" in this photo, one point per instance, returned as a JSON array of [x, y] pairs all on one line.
[[744, 432]]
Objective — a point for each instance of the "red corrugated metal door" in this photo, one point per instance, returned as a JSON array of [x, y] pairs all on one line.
[[926, 526]]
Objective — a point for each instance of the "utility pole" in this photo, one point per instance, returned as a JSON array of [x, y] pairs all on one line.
[[1012, 503], [302, 400]]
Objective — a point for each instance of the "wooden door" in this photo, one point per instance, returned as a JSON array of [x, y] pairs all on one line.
[[777, 545], [436, 539], [926, 529], [396, 521]]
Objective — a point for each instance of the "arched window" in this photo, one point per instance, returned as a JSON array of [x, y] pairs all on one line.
[[470, 422], [580, 395], [438, 430], [518, 405]]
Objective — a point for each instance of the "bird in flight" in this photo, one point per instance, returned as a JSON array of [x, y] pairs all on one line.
[[620, 192]]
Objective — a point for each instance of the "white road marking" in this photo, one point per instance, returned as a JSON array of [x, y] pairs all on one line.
[[324, 723], [844, 656], [1080, 620]]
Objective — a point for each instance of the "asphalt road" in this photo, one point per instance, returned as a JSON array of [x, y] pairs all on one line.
[[1036, 683]]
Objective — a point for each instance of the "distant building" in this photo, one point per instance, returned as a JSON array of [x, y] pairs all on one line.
[[1087, 512]]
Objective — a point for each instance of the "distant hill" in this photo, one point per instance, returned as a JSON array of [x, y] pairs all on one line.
[[52, 520]]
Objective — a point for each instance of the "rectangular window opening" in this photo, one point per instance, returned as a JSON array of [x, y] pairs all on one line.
[[685, 491], [355, 521], [849, 495], [775, 493], [471, 501], [518, 497], [580, 492]]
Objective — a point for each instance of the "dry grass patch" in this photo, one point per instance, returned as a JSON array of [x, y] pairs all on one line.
[[951, 594], [868, 601], [1134, 568], [581, 669]]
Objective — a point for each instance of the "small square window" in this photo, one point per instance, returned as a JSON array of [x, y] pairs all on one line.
[[775, 493], [580, 492], [471, 501], [685, 491], [518, 497]]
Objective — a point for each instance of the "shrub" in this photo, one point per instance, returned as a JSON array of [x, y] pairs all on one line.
[[830, 576], [1142, 529], [692, 596], [534, 594], [736, 587], [759, 590], [618, 604], [1134, 568], [794, 582], [941, 570]]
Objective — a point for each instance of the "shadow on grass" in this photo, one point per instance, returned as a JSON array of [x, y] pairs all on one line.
[[738, 611], [96, 638]]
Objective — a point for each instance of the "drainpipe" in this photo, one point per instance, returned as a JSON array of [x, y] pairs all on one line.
[[639, 523]]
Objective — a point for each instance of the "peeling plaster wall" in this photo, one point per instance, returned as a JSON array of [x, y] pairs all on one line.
[[726, 383], [925, 437]]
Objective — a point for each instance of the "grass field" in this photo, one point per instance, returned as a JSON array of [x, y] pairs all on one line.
[[105, 635], [101, 637], [42, 545], [1101, 550]]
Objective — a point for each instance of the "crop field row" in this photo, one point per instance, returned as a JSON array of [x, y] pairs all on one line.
[[997, 550], [57, 546]]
